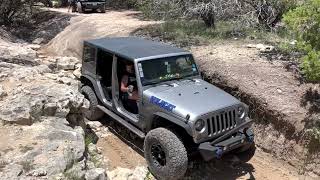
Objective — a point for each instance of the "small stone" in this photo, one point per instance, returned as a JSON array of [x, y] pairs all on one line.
[[42, 56], [37, 173], [138, 173], [92, 149], [65, 80], [294, 42], [251, 46], [279, 91], [38, 41], [104, 135], [95, 125], [96, 174], [77, 73], [50, 109], [76, 172], [34, 47], [51, 76]]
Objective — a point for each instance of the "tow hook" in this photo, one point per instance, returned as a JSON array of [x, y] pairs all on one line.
[[219, 152], [249, 135]]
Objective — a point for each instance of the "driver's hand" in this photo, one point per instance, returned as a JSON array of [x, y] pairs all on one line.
[[130, 89]]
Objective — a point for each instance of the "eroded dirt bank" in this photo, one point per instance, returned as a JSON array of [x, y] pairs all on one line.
[[277, 99]]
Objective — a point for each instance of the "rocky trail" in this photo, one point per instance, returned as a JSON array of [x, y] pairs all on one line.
[[126, 158], [42, 130]]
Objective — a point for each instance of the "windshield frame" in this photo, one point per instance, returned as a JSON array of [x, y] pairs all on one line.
[[166, 80]]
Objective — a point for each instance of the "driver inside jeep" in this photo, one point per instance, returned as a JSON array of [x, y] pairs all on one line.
[[129, 89]]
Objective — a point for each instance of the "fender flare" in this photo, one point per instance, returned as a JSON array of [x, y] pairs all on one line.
[[176, 121]]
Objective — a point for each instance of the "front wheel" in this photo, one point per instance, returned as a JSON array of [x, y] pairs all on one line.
[[165, 154], [246, 152]]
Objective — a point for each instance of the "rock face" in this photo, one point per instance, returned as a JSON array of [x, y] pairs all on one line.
[[42, 130], [17, 53]]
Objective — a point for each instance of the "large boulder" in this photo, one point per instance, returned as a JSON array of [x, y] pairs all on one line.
[[66, 63], [33, 101], [17, 53]]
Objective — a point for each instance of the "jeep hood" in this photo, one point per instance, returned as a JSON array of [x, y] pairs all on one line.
[[195, 98]]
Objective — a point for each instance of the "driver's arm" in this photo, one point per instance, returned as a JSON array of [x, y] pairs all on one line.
[[124, 84]]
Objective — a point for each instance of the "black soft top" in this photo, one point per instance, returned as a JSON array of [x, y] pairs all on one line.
[[134, 48]]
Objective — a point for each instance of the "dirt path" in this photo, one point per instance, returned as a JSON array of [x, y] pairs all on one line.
[[86, 26], [90, 26]]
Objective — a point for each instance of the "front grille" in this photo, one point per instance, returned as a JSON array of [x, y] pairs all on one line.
[[221, 122]]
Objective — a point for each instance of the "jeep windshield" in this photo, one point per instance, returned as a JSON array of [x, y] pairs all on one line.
[[166, 69]]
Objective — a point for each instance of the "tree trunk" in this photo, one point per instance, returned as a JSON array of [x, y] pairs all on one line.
[[209, 19]]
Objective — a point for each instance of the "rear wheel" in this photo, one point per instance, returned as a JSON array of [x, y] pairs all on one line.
[[93, 113], [165, 154]]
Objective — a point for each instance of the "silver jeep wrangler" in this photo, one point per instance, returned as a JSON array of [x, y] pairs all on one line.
[[177, 113]]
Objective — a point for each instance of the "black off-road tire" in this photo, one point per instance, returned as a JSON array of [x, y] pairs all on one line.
[[176, 157], [93, 113], [79, 8], [245, 153]]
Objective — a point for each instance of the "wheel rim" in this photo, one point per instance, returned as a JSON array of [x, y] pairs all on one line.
[[158, 155]]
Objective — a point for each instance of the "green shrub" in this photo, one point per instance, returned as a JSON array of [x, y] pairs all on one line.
[[311, 66], [304, 22], [162, 9], [122, 4]]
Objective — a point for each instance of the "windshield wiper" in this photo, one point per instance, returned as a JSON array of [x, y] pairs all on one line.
[[168, 84], [154, 83], [190, 79]]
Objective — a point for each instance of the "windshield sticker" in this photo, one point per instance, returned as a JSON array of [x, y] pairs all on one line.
[[168, 68], [141, 74], [140, 70], [140, 66], [161, 103]]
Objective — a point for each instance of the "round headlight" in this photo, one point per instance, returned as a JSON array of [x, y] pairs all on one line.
[[199, 125], [241, 112]]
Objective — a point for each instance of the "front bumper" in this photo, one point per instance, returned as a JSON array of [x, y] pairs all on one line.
[[93, 5], [208, 150]]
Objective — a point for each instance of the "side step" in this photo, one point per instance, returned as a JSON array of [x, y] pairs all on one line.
[[132, 128]]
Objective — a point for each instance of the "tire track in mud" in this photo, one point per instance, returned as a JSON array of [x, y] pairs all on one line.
[[119, 153], [119, 150]]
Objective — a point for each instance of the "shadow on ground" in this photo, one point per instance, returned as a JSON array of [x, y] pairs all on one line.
[[229, 167]]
